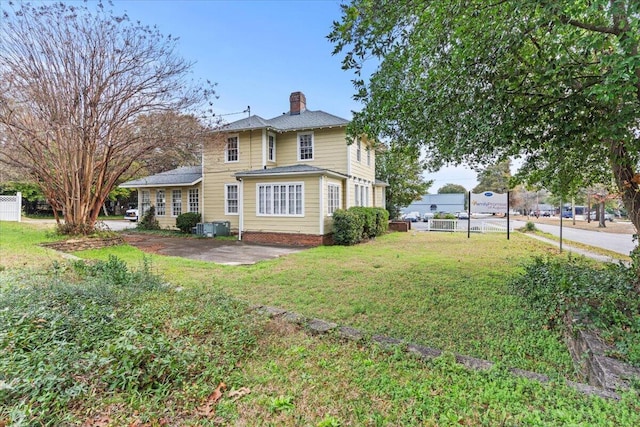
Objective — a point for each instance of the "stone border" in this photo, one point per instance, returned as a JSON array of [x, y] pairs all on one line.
[[320, 327], [589, 354]]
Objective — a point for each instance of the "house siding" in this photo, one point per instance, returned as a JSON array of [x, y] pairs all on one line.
[[329, 149], [306, 224], [168, 221]]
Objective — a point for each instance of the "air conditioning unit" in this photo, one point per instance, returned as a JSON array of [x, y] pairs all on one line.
[[205, 229]]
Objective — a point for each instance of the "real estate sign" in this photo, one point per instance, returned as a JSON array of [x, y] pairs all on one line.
[[489, 202]]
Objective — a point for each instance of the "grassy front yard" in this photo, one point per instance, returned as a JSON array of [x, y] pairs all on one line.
[[150, 365]]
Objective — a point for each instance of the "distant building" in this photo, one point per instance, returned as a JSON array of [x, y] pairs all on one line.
[[434, 203]]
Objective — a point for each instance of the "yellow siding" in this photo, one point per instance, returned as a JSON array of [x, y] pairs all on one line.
[[329, 149], [168, 220], [307, 224], [328, 219]]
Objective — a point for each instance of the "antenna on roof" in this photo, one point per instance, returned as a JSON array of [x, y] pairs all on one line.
[[248, 110]]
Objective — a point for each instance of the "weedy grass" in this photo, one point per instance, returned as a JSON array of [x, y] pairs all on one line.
[[137, 339], [437, 289], [19, 245]]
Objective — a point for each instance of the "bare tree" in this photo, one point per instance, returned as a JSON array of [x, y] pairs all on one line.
[[73, 83]]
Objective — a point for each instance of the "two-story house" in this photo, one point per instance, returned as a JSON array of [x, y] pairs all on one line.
[[276, 181]]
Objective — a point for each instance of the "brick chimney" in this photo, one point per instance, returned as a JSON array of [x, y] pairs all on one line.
[[297, 102]]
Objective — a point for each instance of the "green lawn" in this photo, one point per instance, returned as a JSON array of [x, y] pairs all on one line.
[[441, 290]]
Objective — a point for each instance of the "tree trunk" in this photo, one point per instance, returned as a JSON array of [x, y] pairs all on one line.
[[627, 180]]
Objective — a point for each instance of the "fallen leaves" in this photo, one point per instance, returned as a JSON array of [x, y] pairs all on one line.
[[237, 394], [208, 408]]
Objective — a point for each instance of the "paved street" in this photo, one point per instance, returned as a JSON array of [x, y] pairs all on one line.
[[619, 243]]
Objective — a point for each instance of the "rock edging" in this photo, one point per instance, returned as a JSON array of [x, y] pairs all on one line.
[[319, 327], [589, 354]]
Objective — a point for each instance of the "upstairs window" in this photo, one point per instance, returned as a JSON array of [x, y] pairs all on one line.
[[232, 149], [271, 147], [305, 146], [368, 156], [359, 151]]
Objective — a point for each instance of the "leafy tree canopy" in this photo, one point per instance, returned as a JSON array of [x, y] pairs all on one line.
[[555, 83], [452, 189], [494, 178], [402, 170]]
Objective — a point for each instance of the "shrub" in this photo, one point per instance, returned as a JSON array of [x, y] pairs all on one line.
[[529, 226], [382, 221], [149, 221], [368, 217], [186, 221], [347, 227], [605, 298]]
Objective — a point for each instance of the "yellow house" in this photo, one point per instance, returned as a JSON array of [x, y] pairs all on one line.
[[279, 180]]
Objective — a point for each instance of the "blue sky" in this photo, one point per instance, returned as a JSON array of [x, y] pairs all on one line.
[[259, 51]]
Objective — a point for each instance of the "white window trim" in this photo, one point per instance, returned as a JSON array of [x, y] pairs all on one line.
[[189, 191], [173, 203], [226, 200], [313, 146], [144, 207], [158, 190], [358, 151], [368, 156], [226, 149], [329, 205], [271, 184], [274, 146]]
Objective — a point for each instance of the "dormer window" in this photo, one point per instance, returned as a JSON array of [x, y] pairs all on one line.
[[305, 146], [232, 149]]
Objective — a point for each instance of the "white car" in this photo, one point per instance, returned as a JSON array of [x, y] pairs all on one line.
[[131, 215], [427, 216], [463, 215]]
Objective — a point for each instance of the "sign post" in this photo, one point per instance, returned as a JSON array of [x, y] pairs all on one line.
[[490, 202]]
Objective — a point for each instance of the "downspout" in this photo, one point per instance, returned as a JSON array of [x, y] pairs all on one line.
[[321, 204], [201, 184], [240, 207], [264, 148], [347, 189]]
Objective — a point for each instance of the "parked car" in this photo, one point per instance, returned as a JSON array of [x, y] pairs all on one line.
[[412, 216], [546, 213], [607, 216], [463, 215], [131, 215], [427, 216]]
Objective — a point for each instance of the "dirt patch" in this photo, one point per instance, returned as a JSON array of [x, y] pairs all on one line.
[[220, 251]]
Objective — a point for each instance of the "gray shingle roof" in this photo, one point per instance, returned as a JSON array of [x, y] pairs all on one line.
[[187, 175], [289, 170], [286, 122]]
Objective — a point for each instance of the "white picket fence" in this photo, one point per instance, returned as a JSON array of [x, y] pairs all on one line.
[[11, 207], [454, 225]]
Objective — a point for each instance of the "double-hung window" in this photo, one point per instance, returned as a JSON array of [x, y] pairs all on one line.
[[194, 200], [161, 203], [357, 195], [232, 149], [145, 202], [358, 151], [271, 147], [176, 202], [333, 198], [284, 199], [368, 156], [305, 146], [231, 199]]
